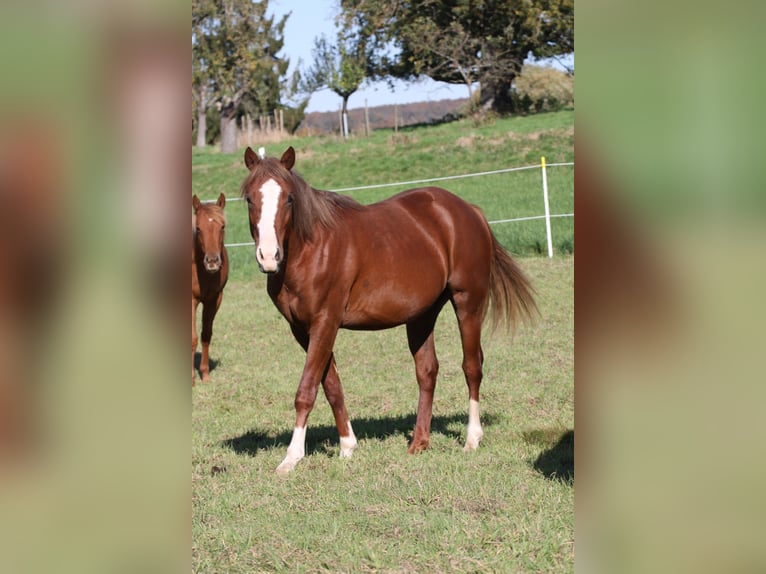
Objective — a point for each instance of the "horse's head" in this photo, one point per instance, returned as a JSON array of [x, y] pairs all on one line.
[[269, 192], [209, 228]]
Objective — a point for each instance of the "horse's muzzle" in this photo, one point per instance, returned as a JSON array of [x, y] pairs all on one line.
[[212, 263], [268, 263]]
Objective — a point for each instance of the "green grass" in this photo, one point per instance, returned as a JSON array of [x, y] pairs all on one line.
[[508, 507], [425, 152]]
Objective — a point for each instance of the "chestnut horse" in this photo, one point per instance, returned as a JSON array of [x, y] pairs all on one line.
[[210, 270], [333, 263]]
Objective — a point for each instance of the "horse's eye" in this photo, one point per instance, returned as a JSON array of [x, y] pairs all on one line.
[[196, 229], [249, 201], [223, 227], [289, 200]]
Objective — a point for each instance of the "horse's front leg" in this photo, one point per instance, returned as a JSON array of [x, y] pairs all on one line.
[[321, 339], [209, 309], [195, 302], [334, 393]]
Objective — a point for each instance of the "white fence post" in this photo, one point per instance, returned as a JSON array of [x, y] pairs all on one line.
[[547, 209]]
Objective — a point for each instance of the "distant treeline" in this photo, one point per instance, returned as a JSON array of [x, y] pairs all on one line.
[[387, 116]]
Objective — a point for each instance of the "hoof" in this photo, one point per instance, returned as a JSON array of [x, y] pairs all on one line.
[[347, 446], [473, 439], [285, 468], [420, 446]]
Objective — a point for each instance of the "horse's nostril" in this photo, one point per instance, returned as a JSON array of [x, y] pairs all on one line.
[[277, 255]]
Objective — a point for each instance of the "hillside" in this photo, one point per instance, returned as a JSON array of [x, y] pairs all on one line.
[[382, 116]]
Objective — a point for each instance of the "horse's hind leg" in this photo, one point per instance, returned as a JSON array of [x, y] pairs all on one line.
[[420, 336], [469, 309]]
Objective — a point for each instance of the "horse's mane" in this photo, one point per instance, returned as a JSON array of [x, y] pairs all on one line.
[[310, 206]]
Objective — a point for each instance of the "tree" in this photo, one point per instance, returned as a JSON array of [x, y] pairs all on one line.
[[340, 67], [464, 41], [202, 85], [296, 100], [234, 48]]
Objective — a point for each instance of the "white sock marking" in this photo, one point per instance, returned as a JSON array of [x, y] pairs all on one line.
[[295, 451], [266, 250], [348, 443], [474, 432]]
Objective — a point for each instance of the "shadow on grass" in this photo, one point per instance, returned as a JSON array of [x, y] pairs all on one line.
[[556, 462], [198, 359], [318, 438]]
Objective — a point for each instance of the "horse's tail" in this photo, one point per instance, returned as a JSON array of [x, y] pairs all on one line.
[[510, 291]]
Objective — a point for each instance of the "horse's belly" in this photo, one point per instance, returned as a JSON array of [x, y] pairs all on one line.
[[389, 304]]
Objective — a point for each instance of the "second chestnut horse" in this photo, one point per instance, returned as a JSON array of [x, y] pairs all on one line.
[[333, 263], [210, 270]]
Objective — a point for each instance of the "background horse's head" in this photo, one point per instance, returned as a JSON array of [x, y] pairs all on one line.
[[209, 228], [269, 192]]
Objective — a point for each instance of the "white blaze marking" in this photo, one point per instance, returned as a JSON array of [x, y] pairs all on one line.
[[295, 451], [474, 434], [266, 250], [262, 152], [347, 443]]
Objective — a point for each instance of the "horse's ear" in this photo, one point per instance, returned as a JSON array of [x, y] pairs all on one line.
[[221, 200], [195, 202], [288, 158], [251, 158]]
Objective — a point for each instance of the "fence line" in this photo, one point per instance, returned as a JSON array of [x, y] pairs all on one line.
[[444, 178], [542, 166], [530, 218], [432, 179]]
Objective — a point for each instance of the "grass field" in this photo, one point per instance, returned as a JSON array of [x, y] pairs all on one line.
[[508, 507]]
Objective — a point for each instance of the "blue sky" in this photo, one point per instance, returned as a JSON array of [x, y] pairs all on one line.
[[312, 18]]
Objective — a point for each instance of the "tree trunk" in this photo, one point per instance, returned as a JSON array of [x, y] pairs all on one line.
[[496, 95], [228, 128], [471, 98], [201, 126], [344, 117]]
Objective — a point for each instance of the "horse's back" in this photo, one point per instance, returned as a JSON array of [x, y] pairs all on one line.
[[409, 250], [440, 214], [436, 206]]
